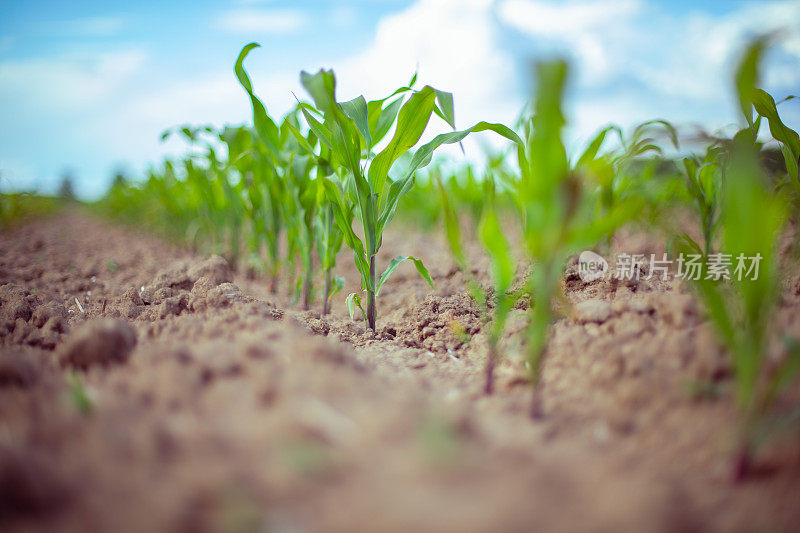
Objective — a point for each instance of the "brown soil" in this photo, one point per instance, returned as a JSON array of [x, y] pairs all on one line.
[[143, 388]]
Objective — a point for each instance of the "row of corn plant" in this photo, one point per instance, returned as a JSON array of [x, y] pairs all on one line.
[[559, 210], [285, 195], [735, 198]]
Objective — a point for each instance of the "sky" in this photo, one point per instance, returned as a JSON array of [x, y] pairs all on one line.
[[86, 87]]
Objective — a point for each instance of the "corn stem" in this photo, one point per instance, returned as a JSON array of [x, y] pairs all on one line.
[[371, 311]]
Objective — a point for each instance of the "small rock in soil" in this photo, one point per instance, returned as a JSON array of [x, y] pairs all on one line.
[[215, 268], [99, 343]]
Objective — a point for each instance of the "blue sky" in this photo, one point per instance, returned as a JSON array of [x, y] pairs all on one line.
[[88, 86]]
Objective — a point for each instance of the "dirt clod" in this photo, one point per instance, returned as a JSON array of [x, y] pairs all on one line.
[[16, 302], [99, 342], [28, 485], [17, 369], [215, 268]]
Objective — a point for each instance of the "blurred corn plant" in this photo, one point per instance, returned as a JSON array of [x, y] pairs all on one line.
[[557, 208], [15, 207], [556, 204], [635, 169], [743, 308], [704, 180], [289, 158], [495, 308]]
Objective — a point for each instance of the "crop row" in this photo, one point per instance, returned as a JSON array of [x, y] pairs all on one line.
[[284, 196]]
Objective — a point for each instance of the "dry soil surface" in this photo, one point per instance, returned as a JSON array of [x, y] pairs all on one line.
[[145, 388]]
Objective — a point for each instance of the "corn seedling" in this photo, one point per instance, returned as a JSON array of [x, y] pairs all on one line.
[[351, 130], [629, 173], [704, 182], [303, 196], [502, 270], [743, 308], [557, 215]]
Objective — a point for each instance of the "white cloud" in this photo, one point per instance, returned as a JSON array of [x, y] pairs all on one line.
[[215, 99], [586, 31], [551, 20], [69, 82], [270, 21], [454, 46], [632, 60]]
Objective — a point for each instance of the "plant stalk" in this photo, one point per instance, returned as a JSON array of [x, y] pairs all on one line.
[[326, 304], [491, 361], [307, 281], [371, 311], [273, 284]]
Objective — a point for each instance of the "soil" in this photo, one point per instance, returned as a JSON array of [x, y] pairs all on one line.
[[145, 388]]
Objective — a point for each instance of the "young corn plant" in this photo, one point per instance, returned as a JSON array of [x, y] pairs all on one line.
[[351, 130], [704, 181], [628, 172], [557, 213], [283, 157], [329, 238], [502, 270], [305, 192], [742, 309]]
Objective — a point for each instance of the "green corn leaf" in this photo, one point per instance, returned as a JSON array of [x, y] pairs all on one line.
[[493, 239], [344, 135], [423, 156], [353, 301], [384, 118], [336, 288], [686, 244], [706, 178], [265, 126], [343, 220], [452, 228], [670, 129], [356, 109], [411, 122], [646, 145], [322, 133], [445, 108], [590, 153], [393, 266], [346, 146], [766, 107], [747, 78], [546, 148], [301, 140]]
